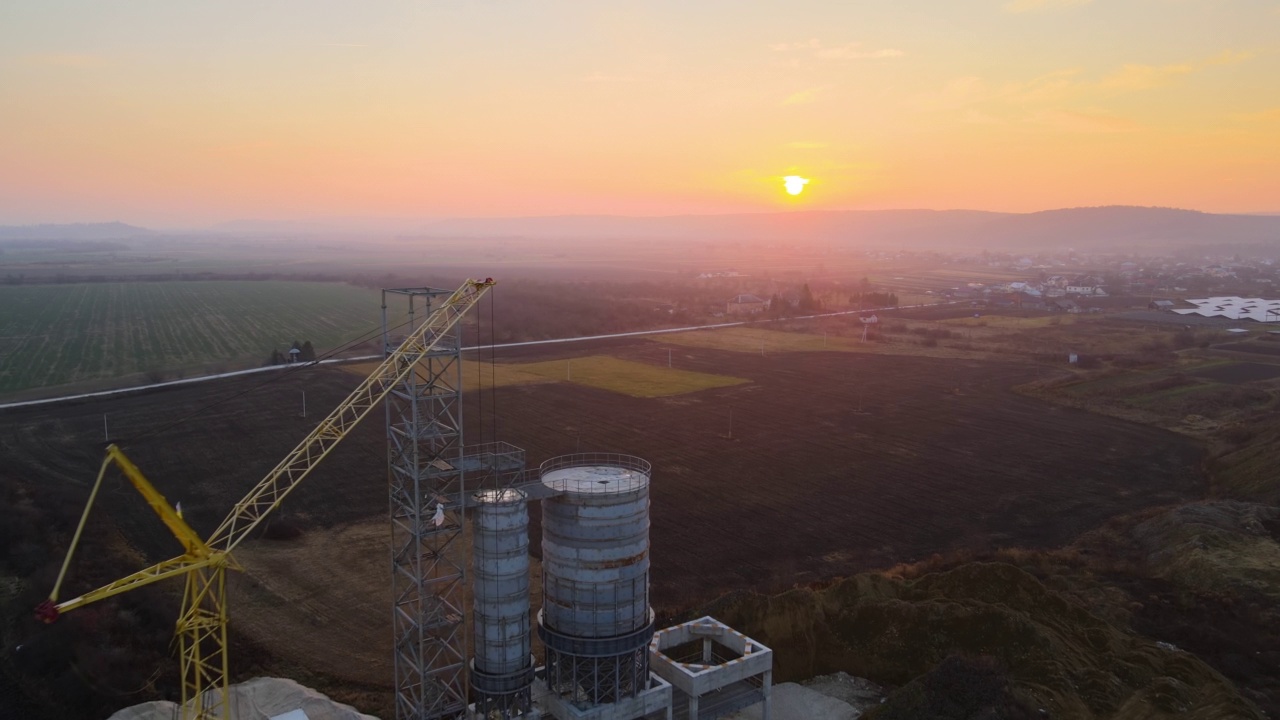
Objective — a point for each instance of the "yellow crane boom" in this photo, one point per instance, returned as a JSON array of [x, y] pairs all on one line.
[[202, 627]]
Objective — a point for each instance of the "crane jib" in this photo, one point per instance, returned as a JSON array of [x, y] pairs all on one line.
[[201, 629]]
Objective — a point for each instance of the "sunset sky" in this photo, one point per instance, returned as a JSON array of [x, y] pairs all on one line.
[[174, 114]]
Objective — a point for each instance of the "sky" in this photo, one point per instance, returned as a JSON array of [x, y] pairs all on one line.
[[185, 114]]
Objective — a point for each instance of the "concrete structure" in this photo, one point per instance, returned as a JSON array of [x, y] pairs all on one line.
[[595, 621], [502, 668], [714, 669]]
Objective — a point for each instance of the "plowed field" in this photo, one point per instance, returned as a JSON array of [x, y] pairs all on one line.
[[824, 464]]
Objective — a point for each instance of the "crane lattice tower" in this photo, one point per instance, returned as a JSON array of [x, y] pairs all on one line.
[[425, 461]]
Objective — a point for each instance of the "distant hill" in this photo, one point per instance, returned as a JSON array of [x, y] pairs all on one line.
[[315, 226], [75, 231], [1082, 228]]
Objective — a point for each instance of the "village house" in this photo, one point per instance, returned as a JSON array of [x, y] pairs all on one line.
[[745, 304]]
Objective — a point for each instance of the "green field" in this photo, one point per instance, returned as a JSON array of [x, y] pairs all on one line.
[[626, 376], [59, 334]]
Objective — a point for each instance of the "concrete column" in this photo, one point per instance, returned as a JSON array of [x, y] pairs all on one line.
[[706, 650], [767, 690], [693, 707]]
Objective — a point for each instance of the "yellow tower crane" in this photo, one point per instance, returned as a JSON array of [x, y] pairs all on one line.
[[202, 626]]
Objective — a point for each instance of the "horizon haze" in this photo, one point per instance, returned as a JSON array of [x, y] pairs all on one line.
[[193, 116]]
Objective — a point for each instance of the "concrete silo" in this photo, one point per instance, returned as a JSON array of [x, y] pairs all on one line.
[[502, 666], [596, 621]]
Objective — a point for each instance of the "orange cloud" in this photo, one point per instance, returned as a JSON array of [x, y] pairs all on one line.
[[803, 97], [1144, 77], [1084, 122]]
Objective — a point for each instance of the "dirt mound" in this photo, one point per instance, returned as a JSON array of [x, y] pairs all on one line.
[[1209, 546], [1246, 469], [1059, 657], [1204, 577]]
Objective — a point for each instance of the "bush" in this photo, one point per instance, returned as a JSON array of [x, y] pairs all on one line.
[[1154, 345]]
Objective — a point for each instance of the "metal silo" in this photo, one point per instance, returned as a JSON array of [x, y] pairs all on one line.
[[502, 668], [595, 620]]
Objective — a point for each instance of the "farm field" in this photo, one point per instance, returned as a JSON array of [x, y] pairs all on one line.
[[834, 463], [637, 379], [599, 371], [1256, 348], [57, 334], [1006, 322], [475, 374], [755, 340], [1239, 373]]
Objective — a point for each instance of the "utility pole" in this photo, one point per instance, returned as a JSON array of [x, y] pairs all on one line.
[[106, 436]]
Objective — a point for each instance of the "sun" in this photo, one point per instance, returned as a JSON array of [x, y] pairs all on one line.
[[795, 184]]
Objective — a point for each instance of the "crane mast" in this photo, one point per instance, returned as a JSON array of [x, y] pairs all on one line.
[[202, 626]]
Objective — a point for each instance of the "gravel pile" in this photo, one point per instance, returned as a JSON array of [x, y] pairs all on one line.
[[258, 699], [861, 693]]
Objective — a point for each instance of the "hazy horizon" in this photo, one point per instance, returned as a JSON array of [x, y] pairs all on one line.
[[373, 223]]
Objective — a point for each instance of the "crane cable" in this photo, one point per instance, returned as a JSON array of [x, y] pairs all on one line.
[[493, 367]]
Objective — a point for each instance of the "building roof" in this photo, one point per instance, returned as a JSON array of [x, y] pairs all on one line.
[[746, 298], [1235, 308]]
